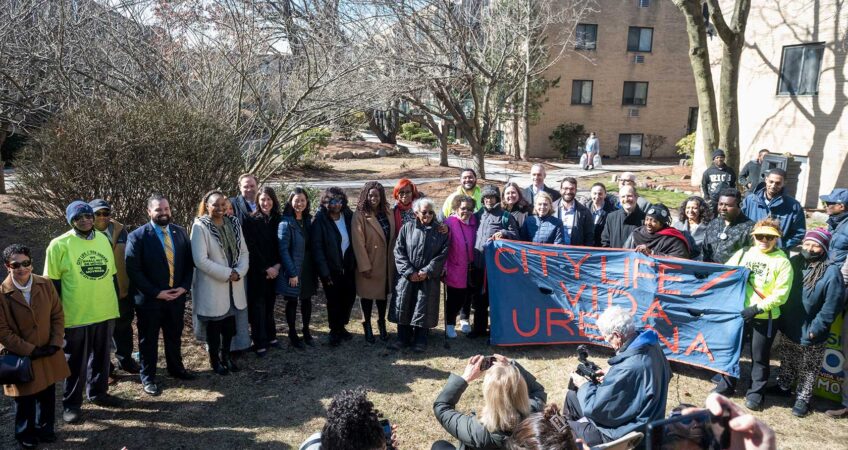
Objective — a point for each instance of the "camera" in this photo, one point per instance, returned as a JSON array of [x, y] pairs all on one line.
[[387, 431], [585, 368], [487, 362], [698, 430]]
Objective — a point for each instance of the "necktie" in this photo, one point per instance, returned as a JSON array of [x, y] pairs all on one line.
[[169, 255]]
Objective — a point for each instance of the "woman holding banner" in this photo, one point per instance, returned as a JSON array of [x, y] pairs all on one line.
[[542, 227], [768, 288], [657, 237], [814, 303]]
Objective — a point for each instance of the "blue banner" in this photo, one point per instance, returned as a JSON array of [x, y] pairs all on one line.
[[551, 294]]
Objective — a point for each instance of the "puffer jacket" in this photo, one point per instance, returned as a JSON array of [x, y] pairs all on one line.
[[787, 210], [812, 310], [490, 222], [419, 248], [838, 248], [542, 230]]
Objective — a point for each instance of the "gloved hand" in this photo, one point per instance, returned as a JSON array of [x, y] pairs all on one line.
[[41, 352], [749, 312], [53, 348]]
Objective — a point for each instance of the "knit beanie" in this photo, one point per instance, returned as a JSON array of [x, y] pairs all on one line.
[[820, 236], [718, 152], [660, 213]]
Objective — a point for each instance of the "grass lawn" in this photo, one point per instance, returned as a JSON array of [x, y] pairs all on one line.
[[278, 401]]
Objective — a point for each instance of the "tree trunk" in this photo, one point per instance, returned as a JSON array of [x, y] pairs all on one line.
[[516, 139], [699, 58], [379, 130], [729, 105], [525, 90], [443, 145], [2, 163]]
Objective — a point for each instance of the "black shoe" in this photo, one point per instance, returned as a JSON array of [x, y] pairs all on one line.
[[335, 339], [475, 334], [151, 389], [260, 353], [295, 341], [754, 402], [129, 365], [369, 334], [71, 415], [419, 348], [183, 374], [381, 326], [107, 401], [725, 392], [28, 442], [345, 335], [801, 408], [307, 338], [229, 361], [397, 344], [217, 367], [275, 344]]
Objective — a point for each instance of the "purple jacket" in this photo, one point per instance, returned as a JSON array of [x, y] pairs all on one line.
[[461, 251]]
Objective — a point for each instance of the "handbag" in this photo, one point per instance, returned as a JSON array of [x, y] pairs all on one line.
[[15, 369]]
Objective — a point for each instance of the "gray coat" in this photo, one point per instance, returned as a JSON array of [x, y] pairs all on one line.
[[466, 427], [419, 247], [490, 222]]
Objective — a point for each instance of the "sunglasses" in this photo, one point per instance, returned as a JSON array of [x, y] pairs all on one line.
[[18, 265], [764, 237], [335, 201], [83, 216], [103, 213]]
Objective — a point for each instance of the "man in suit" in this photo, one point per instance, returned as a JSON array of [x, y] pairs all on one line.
[[245, 203], [160, 269], [537, 174], [578, 224]]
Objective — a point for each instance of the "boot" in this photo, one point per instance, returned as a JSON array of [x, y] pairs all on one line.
[[295, 340], [307, 337], [215, 362], [369, 334], [381, 325], [229, 362]]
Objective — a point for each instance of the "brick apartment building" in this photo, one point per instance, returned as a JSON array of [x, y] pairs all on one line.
[[628, 77], [792, 92]]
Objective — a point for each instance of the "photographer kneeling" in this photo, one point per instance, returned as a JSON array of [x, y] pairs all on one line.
[[630, 394]]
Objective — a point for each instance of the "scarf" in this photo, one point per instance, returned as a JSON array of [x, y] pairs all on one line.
[[815, 270], [834, 221], [402, 214], [207, 222]]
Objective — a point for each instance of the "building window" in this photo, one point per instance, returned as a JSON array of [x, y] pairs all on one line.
[[644, 3], [581, 92], [692, 122], [799, 70], [640, 39], [586, 36], [630, 145], [635, 93]]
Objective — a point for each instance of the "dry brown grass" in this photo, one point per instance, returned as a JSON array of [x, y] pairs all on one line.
[[278, 401]]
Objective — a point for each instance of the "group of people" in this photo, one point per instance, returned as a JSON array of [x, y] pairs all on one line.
[[242, 252]]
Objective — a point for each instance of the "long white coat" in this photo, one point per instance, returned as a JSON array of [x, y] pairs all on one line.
[[210, 291]]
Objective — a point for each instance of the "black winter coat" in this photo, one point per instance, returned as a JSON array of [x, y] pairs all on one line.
[[620, 226], [419, 248], [326, 245], [811, 310]]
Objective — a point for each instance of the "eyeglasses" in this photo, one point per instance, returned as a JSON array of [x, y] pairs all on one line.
[[764, 237], [465, 208], [19, 264], [426, 213], [831, 203], [83, 216], [103, 213], [335, 201], [404, 193]]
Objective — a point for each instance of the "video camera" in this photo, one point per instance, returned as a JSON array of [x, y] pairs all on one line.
[[586, 369]]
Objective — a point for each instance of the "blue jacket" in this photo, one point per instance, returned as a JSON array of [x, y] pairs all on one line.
[[542, 230], [838, 248], [634, 390], [292, 254], [812, 310], [784, 208], [147, 267]]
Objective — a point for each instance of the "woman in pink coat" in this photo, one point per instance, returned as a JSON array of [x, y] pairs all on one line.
[[460, 261]]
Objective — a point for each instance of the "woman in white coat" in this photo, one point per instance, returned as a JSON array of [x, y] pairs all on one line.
[[221, 258]]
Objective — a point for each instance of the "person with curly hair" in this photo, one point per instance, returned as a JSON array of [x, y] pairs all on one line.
[[692, 218], [513, 201], [352, 424], [373, 241]]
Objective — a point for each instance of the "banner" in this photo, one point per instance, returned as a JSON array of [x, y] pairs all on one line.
[[551, 294], [829, 382]]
